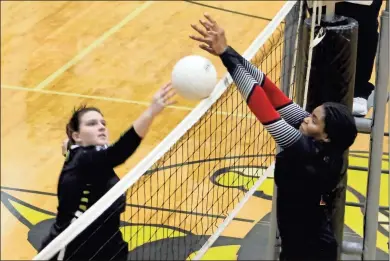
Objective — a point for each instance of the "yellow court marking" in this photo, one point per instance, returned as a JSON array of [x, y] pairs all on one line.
[[228, 252], [93, 45], [33, 216]]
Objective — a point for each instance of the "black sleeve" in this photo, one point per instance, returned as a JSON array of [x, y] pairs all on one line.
[[114, 155]]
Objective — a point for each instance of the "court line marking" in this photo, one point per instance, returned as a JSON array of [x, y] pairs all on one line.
[[207, 215], [228, 10], [92, 97], [103, 98], [93, 45]]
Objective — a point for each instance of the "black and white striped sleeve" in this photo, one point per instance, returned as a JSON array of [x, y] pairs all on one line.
[[293, 114], [257, 74], [284, 134]]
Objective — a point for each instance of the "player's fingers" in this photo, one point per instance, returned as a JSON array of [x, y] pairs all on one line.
[[206, 25], [204, 46], [167, 85], [208, 17], [168, 93], [199, 39], [207, 48], [163, 93], [200, 31], [171, 102], [168, 96], [167, 90]]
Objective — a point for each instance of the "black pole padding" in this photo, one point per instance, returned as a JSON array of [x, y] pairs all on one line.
[[333, 66]]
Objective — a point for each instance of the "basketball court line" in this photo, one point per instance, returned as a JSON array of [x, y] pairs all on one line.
[[37, 192], [103, 98], [92, 97], [93, 45], [228, 10]]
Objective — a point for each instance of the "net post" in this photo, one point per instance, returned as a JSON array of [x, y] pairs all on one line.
[[376, 141], [290, 35]]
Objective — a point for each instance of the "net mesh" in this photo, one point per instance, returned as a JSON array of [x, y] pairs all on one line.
[[181, 200]]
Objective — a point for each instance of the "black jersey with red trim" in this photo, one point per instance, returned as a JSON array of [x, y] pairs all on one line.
[[304, 170], [87, 174]]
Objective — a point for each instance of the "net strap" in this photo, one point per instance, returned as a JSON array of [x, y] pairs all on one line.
[[314, 23], [292, 76]]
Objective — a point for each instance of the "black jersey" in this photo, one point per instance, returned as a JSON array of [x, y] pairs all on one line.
[[305, 176], [86, 176]]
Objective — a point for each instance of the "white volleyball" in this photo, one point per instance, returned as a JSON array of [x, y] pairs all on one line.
[[194, 77]]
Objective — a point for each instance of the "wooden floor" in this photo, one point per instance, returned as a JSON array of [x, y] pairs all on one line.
[[115, 55]]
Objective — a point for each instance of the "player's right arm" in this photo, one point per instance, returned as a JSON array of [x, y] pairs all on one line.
[[289, 110], [115, 154]]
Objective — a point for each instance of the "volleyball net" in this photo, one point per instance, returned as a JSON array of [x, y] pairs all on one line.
[[182, 196]]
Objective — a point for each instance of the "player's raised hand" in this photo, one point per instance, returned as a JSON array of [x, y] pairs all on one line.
[[213, 38], [162, 98]]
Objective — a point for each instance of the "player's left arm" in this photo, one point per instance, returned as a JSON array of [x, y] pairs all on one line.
[[289, 110], [284, 134], [248, 78]]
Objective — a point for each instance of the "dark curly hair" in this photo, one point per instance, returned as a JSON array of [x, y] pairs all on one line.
[[340, 126]]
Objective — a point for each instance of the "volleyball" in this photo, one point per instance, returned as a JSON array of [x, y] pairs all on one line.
[[194, 77]]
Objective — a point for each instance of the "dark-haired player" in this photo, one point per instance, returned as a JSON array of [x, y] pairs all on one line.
[[309, 167]]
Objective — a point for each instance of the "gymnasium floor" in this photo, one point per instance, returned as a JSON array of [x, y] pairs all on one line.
[[115, 55]]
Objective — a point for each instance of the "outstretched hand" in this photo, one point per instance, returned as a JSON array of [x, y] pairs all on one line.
[[213, 38], [162, 98]]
